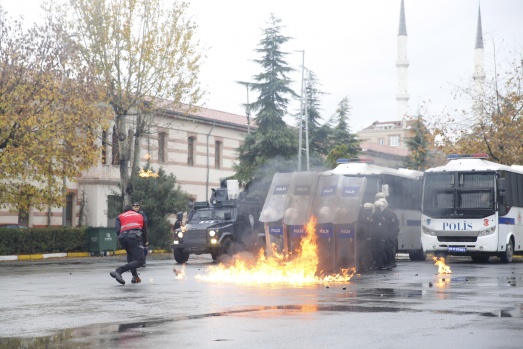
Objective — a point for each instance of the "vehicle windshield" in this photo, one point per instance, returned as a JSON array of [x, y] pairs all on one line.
[[207, 214], [459, 194]]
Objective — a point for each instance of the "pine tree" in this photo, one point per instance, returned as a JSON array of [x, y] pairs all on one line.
[[343, 143], [273, 137], [419, 145], [318, 133]]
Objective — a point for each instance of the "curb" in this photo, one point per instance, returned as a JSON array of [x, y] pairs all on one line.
[[38, 256]]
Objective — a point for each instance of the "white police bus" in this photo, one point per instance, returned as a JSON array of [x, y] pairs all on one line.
[[402, 188], [473, 207]]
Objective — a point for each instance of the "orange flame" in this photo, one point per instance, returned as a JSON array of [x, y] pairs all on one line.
[[148, 173], [442, 267], [180, 273], [298, 269]]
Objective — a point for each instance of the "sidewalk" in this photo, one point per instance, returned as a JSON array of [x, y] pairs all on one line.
[[38, 256]]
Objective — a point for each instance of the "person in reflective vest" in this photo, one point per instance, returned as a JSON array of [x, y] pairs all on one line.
[[131, 228]]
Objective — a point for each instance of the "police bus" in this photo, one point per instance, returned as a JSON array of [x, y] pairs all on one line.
[[402, 188], [473, 207]]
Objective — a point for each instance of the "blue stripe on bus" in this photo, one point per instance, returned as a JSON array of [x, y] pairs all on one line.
[[413, 222], [506, 220]]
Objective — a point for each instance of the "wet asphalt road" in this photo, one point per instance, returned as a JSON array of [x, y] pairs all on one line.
[[74, 303]]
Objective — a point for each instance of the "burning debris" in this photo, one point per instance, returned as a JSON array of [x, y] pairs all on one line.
[[442, 267], [179, 273], [298, 269], [148, 173]]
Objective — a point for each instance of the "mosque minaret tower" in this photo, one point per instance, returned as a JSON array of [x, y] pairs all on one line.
[[402, 64], [479, 74]]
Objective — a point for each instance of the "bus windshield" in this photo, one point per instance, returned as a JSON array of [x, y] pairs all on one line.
[[458, 194]]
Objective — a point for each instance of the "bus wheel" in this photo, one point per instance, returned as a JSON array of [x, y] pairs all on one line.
[[180, 257], [506, 257], [418, 255], [480, 258]]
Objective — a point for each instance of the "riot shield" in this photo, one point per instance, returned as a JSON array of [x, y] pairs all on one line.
[[274, 208], [297, 213], [345, 221]]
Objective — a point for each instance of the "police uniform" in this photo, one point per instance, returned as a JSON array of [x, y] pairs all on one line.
[[131, 229]]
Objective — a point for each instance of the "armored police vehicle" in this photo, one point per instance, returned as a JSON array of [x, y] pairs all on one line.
[[227, 224]]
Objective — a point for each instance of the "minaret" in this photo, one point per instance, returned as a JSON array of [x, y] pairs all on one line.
[[402, 64], [479, 74]]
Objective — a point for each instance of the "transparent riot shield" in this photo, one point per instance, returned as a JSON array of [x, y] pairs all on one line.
[[274, 208], [326, 203], [297, 214], [345, 221]]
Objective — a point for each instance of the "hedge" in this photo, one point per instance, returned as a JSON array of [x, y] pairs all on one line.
[[43, 240]]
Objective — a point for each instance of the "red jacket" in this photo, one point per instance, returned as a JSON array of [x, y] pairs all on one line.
[[130, 220]]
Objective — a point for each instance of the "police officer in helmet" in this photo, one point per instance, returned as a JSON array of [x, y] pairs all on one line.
[[131, 228]]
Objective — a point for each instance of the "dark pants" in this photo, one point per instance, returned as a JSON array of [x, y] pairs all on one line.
[[132, 243], [390, 251], [379, 252]]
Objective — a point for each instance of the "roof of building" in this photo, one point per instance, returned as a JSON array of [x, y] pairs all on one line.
[[212, 114], [396, 123], [207, 114]]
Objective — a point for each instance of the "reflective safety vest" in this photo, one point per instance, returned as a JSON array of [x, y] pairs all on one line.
[[130, 220]]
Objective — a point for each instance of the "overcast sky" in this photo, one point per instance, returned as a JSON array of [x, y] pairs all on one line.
[[351, 46]]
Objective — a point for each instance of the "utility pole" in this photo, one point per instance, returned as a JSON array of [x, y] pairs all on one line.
[[302, 109], [248, 111], [306, 124]]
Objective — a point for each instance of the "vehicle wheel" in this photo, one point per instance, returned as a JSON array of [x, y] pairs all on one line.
[[227, 247], [480, 258], [181, 257], [215, 256], [418, 255], [506, 257]]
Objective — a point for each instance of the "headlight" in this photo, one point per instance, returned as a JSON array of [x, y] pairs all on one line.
[[428, 231], [212, 233], [180, 235], [214, 241], [487, 231]]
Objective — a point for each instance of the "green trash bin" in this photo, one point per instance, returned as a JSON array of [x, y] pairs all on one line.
[[102, 240]]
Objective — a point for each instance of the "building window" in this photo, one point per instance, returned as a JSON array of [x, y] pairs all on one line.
[[162, 142], [104, 147], [190, 151], [217, 155], [69, 210], [115, 159], [381, 141], [394, 141]]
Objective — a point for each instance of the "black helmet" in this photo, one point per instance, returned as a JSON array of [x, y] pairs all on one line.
[[136, 203]]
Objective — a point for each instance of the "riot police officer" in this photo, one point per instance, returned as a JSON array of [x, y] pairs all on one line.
[[131, 229], [366, 235], [392, 223]]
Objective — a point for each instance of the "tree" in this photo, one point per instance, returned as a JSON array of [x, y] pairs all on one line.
[[495, 122], [49, 114], [146, 58], [420, 146], [343, 143], [273, 137], [159, 197], [318, 134]]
